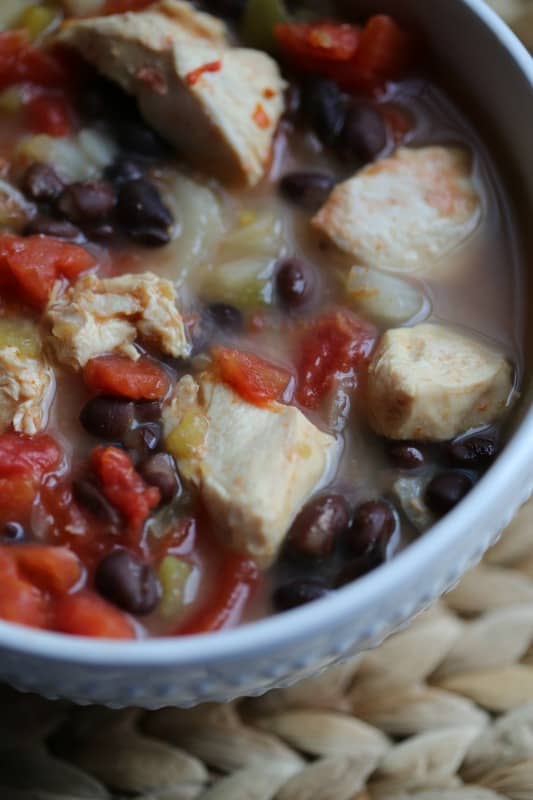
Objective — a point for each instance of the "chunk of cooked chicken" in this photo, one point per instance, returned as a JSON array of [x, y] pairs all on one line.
[[27, 387], [432, 383], [96, 316], [219, 105], [405, 212], [253, 467]]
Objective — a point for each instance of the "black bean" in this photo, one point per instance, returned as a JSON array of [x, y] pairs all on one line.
[[372, 527], [357, 568], [364, 134], [12, 532], [128, 583], [100, 232], [58, 228], [88, 202], [122, 171], [42, 183], [148, 411], [227, 318], [475, 451], [160, 470], [324, 106], [309, 190], [91, 498], [142, 440], [142, 213], [141, 141], [406, 456], [294, 283], [107, 417], [298, 593], [446, 490], [318, 526]]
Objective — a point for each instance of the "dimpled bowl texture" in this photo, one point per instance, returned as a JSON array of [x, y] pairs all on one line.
[[495, 75]]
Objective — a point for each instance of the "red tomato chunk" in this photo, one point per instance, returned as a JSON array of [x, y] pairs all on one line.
[[355, 58], [29, 576], [122, 377], [17, 496], [254, 379], [30, 456], [21, 62], [54, 569], [36, 262], [385, 49], [316, 47], [336, 345], [23, 603], [86, 614], [50, 114], [124, 487]]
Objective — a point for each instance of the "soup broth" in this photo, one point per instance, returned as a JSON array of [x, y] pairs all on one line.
[[265, 409]]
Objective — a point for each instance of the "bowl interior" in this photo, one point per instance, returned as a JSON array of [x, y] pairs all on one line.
[[497, 86]]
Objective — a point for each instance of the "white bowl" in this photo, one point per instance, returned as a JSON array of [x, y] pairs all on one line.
[[496, 73]]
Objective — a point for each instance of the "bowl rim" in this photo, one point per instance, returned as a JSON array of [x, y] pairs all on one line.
[[274, 632]]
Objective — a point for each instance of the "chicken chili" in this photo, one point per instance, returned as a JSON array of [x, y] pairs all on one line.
[[259, 325]]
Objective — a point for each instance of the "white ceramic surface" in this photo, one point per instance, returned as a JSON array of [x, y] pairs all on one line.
[[497, 73]]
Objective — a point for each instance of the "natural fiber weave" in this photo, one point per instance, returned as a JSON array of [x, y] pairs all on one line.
[[442, 711]]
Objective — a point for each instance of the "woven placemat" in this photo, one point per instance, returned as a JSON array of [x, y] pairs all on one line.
[[441, 711]]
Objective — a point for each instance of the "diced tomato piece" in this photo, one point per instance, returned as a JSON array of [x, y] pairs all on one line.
[[22, 603], [356, 59], [87, 614], [36, 262], [22, 62], [123, 486], [50, 114], [122, 377], [62, 522], [24, 461], [7, 563], [122, 6], [385, 49], [55, 569], [194, 76], [311, 46], [254, 379], [337, 344], [322, 48], [30, 456], [238, 577], [17, 496]]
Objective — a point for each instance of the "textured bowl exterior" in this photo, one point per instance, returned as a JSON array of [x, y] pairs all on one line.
[[282, 650]]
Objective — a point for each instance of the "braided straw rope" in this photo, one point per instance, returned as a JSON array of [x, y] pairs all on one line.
[[442, 711]]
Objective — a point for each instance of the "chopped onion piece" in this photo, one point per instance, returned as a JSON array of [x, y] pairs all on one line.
[[246, 283], [253, 235], [75, 158], [386, 298], [199, 226]]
